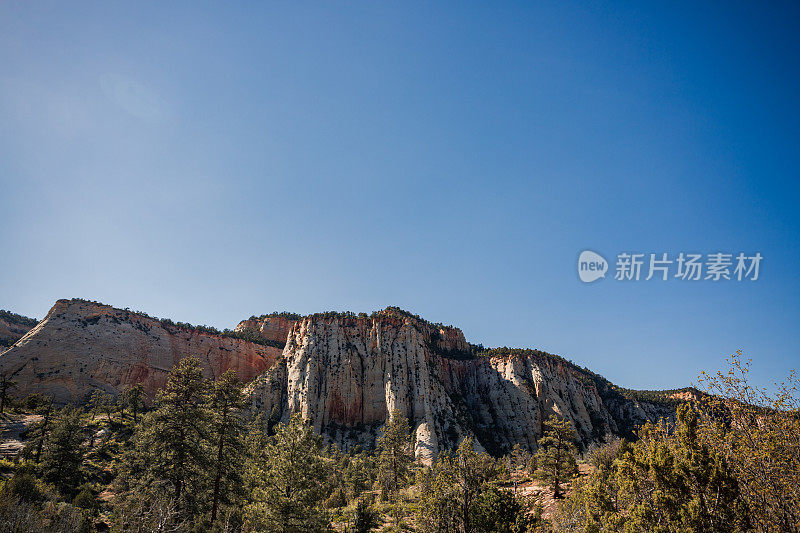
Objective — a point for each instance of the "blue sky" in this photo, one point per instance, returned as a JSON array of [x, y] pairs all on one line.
[[206, 162]]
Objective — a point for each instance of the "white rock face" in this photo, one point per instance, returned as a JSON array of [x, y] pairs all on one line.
[[347, 374]]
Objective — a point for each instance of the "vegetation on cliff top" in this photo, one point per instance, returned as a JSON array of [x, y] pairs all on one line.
[[246, 335], [388, 312], [277, 314], [14, 318], [606, 389]]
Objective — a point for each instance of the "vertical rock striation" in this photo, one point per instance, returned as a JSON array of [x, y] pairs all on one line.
[[346, 374]]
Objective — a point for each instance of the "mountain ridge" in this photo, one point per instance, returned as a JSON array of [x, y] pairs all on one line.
[[343, 371], [83, 345]]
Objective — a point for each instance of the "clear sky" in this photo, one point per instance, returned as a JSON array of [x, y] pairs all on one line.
[[209, 161]]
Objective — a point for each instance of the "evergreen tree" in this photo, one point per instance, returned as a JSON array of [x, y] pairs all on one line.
[[134, 396], [472, 470], [556, 455], [120, 403], [394, 453], [365, 517], [227, 435], [669, 480], [730, 462], [498, 511], [5, 385], [172, 446], [438, 506], [289, 474], [360, 473], [63, 454], [86, 499], [101, 402], [450, 487], [518, 458], [45, 410], [710, 504]]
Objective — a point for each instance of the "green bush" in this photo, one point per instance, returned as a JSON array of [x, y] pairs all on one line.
[[23, 487], [86, 499]]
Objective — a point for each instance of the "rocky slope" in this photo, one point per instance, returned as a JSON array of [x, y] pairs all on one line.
[[347, 373], [13, 327], [81, 346]]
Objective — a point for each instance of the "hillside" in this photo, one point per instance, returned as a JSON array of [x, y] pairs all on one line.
[[13, 327], [81, 346]]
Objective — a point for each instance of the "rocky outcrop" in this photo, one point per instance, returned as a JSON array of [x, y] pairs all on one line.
[[81, 346], [346, 374], [274, 327], [13, 327]]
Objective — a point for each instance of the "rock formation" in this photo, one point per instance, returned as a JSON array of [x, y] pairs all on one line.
[[81, 346], [346, 374], [273, 328]]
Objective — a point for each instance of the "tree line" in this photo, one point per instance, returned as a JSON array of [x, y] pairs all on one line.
[[193, 459]]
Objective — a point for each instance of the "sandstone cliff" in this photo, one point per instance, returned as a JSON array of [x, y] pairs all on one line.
[[81, 346], [347, 373], [13, 327], [274, 327], [342, 371]]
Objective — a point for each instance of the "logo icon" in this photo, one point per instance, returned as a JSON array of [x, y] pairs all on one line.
[[591, 266]]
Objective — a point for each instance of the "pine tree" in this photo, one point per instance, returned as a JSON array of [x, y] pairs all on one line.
[[134, 396], [62, 456], [5, 385], [518, 458], [394, 453], [472, 470], [556, 456], [101, 402], [365, 517], [45, 409], [173, 443], [121, 403], [227, 434], [450, 487], [498, 511], [289, 475], [438, 504]]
